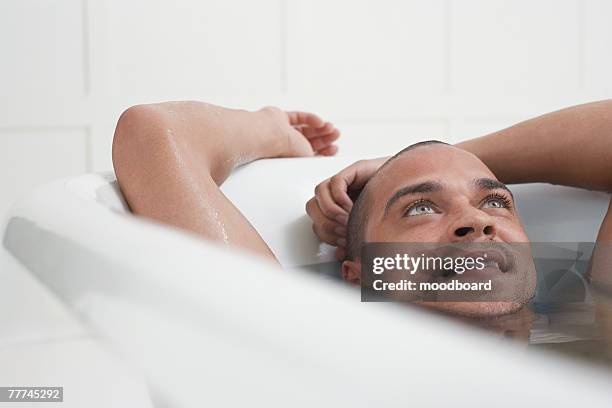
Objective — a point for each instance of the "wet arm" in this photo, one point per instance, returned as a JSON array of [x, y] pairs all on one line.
[[170, 159], [571, 147]]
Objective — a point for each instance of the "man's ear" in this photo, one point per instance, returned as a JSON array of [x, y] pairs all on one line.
[[351, 271]]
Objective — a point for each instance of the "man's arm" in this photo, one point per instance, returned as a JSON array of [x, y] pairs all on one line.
[[572, 147], [170, 159]]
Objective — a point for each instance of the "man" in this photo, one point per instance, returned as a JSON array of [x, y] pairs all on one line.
[[171, 158]]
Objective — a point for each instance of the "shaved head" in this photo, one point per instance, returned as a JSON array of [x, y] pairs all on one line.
[[358, 218]]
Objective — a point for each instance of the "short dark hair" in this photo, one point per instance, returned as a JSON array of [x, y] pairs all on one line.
[[358, 218]]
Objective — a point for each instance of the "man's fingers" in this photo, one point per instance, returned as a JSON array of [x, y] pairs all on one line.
[[318, 217], [328, 151], [325, 234], [338, 186], [327, 230], [326, 202], [321, 142], [361, 172], [297, 118], [310, 132]]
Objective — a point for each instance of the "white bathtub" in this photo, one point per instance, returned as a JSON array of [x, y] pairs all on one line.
[[210, 327]]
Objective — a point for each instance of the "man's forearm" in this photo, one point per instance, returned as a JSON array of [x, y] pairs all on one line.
[[217, 138], [572, 146], [170, 159]]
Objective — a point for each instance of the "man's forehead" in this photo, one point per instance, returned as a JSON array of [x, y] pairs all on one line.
[[435, 158], [443, 163]]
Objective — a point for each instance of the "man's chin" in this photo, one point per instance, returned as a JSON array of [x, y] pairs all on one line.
[[475, 309]]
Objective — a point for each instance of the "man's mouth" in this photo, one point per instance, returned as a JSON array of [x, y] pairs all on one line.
[[497, 259], [493, 265], [492, 260]]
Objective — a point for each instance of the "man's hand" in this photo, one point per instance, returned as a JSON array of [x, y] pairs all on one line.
[[304, 134], [332, 202]]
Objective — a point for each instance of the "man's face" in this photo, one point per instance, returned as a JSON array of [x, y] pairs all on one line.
[[444, 195]]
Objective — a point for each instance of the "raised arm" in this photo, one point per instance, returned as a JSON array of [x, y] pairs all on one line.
[[571, 147], [170, 159]]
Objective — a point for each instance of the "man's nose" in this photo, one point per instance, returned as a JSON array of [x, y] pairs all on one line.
[[473, 225]]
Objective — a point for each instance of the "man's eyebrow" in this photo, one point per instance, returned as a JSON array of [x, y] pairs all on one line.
[[424, 187], [491, 184]]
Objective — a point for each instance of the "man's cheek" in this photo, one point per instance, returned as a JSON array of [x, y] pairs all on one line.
[[429, 233], [514, 234]]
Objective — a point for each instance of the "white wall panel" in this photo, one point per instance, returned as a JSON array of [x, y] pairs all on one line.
[[32, 157], [519, 47], [461, 130], [377, 139], [194, 49], [42, 50], [365, 53], [598, 47]]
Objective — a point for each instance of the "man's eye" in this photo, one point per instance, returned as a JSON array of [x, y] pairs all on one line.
[[494, 202], [420, 209]]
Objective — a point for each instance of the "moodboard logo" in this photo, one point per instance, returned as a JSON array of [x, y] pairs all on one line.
[[467, 272]]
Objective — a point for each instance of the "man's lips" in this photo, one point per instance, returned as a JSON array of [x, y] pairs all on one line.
[[498, 258], [494, 259]]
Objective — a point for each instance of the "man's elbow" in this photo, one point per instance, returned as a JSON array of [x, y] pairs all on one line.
[[138, 130]]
